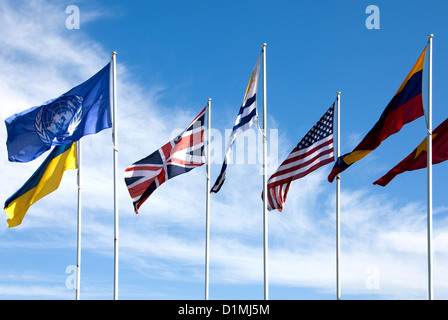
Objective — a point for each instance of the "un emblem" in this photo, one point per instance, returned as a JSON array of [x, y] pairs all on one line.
[[58, 119]]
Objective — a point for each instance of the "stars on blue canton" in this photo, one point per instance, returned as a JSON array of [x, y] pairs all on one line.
[[321, 130]]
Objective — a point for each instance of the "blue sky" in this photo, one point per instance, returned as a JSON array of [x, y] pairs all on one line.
[[172, 57]]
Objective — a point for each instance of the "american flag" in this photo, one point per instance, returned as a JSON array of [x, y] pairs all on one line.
[[312, 152], [180, 155]]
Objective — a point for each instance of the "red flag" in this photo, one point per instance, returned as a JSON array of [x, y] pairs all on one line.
[[418, 158]]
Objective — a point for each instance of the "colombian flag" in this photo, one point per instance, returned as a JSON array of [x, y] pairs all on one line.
[[418, 159], [45, 180], [405, 106]]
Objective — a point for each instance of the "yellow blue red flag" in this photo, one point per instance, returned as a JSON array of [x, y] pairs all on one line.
[[405, 106], [418, 159]]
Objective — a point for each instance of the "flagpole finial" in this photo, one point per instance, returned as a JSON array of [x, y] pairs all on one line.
[[338, 93], [209, 99], [114, 53], [264, 45], [431, 36]]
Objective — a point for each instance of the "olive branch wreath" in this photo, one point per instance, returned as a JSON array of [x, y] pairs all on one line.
[[46, 137]]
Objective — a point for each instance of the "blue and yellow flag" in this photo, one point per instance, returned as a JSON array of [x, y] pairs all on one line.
[[45, 180]]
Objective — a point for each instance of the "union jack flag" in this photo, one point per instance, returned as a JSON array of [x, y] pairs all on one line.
[[312, 152], [180, 155]]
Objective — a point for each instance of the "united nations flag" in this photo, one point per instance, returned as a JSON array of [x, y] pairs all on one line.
[[81, 111]]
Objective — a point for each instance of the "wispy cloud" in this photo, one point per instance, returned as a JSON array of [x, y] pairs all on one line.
[[40, 60]]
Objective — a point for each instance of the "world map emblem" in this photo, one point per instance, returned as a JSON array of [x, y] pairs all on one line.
[[59, 119]]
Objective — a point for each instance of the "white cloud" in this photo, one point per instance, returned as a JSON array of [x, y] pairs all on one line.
[[166, 240]]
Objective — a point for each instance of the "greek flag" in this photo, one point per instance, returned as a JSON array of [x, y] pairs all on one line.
[[246, 117]]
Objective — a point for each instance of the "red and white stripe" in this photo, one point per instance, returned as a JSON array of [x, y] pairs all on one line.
[[298, 164]]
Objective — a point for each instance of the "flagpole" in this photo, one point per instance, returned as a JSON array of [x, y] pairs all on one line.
[[429, 165], [338, 203], [115, 153], [78, 254], [265, 188], [207, 202]]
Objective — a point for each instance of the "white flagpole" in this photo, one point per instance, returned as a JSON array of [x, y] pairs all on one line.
[[429, 165], [78, 254], [338, 190], [207, 202], [115, 152], [265, 174]]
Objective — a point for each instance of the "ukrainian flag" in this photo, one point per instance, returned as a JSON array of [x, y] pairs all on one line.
[[45, 180], [405, 106]]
